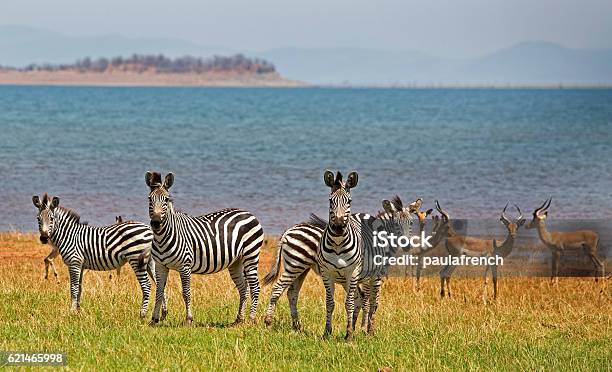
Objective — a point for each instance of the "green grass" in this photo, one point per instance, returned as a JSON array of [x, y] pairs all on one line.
[[532, 326]]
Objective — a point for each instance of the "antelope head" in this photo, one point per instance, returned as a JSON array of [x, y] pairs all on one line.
[[539, 215], [512, 226], [441, 224]]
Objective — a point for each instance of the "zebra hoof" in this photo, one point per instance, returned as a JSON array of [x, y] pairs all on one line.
[[348, 337], [153, 322], [297, 326], [187, 322], [237, 322], [268, 320], [164, 314]]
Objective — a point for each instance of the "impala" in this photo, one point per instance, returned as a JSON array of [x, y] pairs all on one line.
[[459, 245], [505, 248], [560, 241]]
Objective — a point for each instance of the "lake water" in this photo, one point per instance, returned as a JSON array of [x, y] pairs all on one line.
[[265, 150]]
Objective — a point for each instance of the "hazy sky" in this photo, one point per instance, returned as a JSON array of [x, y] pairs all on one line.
[[453, 28]]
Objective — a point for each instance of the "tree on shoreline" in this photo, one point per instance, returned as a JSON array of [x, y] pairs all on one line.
[[161, 64]]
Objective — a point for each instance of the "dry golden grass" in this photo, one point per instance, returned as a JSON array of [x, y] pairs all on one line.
[[532, 325]]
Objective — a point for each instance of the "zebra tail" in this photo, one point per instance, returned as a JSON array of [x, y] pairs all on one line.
[[275, 268]]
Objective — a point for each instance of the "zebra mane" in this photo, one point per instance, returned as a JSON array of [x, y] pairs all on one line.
[[72, 215], [317, 221], [171, 205]]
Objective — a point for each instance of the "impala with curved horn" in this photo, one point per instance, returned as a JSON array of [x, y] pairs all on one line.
[[458, 245], [560, 241], [505, 248]]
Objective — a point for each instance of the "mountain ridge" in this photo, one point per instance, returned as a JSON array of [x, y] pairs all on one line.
[[524, 63]]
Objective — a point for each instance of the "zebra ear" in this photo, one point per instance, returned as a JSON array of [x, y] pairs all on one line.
[[153, 179], [36, 201], [352, 179], [54, 202], [169, 180], [428, 212], [388, 206], [328, 177]]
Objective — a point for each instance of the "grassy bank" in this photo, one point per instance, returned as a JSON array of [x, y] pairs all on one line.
[[532, 326]]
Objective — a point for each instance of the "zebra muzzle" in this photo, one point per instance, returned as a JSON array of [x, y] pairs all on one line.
[[155, 224]]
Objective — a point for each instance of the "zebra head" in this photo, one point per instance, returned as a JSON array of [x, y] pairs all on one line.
[[399, 216], [339, 199], [159, 197], [45, 216]]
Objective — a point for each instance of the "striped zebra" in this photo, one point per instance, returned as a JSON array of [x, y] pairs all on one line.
[[226, 239], [346, 254], [55, 252], [297, 249], [84, 247]]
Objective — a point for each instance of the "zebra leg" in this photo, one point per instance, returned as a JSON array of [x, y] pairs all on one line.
[[349, 306], [287, 278], [293, 294], [161, 273], [49, 262], [145, 286], [54, 271], [362, 301], [76, 271], [151, 272], [373, 305], [237, 274], [80, 289], [185, 274], [329, 305], [252, 280]]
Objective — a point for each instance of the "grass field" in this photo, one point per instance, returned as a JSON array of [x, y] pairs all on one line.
[[532, 325]]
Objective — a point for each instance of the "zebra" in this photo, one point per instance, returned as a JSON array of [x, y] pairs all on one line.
[[103, 248], [55, 252], [226, 239], [346, 254], [297, 248]]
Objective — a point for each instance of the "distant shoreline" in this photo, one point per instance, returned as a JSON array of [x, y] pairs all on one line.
[[146, 79], [228, 79]]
